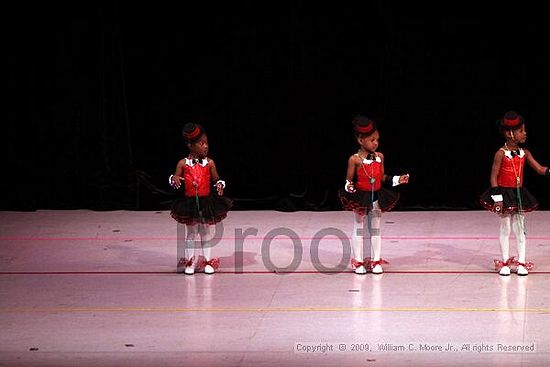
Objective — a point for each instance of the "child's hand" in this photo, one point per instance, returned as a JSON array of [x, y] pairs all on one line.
[[220, 185], [349, 187], [497, 207], [219, 188], [175, 181], [404, 179]]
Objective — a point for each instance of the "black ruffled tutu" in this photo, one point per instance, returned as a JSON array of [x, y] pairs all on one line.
[[510, 200], [213, 209], [360, 201]]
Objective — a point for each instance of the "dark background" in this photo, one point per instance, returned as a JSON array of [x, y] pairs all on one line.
[[98, 92]]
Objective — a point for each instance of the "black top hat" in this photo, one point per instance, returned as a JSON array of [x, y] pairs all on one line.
[[510, 121], [192, 132], [363, 125]]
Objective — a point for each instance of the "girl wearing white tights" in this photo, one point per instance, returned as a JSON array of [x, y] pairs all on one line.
[[508, 197], [364, 194]]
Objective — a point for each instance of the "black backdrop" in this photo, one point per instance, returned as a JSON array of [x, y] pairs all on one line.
[[98, 92]]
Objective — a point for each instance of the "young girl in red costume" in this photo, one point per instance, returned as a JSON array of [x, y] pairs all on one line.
[[507, 196], [364, 195], [198, 207]]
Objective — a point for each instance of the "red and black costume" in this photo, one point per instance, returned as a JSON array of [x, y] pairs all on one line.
[[199, 201], [369, 188], [515, 197]]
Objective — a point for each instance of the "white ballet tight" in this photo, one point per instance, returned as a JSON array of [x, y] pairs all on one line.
[[367, 224], [513, 222], [194, 231]]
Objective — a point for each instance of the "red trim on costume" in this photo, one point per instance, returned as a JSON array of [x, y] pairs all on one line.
[[372, 264], [527, 265], [214, 262], [355, 264], [193, 134], [185, 262], [499, 264]]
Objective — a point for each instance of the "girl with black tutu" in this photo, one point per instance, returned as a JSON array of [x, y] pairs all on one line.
[[364, 194], [507, 196], [198, 207]]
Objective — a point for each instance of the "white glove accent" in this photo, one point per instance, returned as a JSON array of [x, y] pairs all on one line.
[[347, 187], [395, 180], [170, 180], [496, 198]]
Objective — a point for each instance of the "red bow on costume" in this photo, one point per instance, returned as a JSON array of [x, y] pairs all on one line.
[[372, 264], [185, 262], [499, 264], [214, 262], [513, 262], [367, 262], [355, 264], [527, 265]]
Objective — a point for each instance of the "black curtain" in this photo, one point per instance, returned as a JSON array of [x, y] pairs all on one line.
[[99, 92]]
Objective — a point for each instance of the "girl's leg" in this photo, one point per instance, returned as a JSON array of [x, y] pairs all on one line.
[[375, 216], [191, 250], [357, 242], [504, 239], [519, 232], [204, 231]]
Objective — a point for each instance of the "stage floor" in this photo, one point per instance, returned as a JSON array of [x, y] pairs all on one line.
[[101, 289]]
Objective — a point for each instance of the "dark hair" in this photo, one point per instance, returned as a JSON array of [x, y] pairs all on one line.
[[363, 126], [192, 132]]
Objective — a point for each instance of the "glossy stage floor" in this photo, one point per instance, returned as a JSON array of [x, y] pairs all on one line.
[[101, 289]]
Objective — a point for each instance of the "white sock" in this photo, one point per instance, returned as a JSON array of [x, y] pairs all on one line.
[[504, 237], [375, 217], [519, 232], [357, 237], [206, 249], [190, 248]]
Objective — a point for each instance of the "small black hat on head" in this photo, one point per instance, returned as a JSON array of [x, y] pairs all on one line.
[[363, 126], [192, 131], [510, 121]]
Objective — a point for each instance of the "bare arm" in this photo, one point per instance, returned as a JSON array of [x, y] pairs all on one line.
[[497, 161], [352, 164], [497, 197], [220, 185], [382, 165], [350, 174], [177, 178]]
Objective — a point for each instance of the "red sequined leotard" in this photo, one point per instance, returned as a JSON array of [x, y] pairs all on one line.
[[196, 174], [511, 168], [370, 169]]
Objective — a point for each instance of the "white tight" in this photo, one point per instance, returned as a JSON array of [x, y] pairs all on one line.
[[193, 231], [360, 228], [513, 222]]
